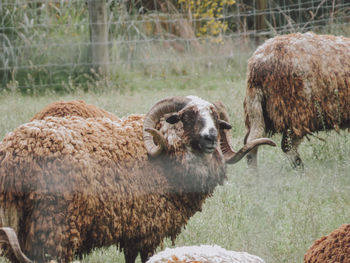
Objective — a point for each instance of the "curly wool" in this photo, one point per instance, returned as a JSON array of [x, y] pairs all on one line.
[[73, 108], [75, 184], [203, 254], [58, 168], [332, 248], [302, 82]]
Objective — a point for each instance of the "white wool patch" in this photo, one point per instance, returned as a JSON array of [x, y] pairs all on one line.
[[205, 112], [115, 123], [52, 129], [171, 132], [204, 253], [198, 101]]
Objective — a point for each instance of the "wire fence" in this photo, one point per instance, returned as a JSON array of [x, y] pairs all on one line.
[[46, 45]]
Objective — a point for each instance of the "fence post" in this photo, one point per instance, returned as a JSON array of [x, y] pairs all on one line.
[[261, 7], [99, 35]]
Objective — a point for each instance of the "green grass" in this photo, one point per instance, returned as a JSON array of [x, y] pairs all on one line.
[[276, 215]]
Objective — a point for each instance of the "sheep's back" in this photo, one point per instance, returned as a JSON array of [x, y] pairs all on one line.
[[73, 108], [62, 155], [304, 79], [69, 145]]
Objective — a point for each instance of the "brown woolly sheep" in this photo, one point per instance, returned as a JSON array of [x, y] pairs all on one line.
[[332, 248], [297, 84], [71, 184], [73, 108]]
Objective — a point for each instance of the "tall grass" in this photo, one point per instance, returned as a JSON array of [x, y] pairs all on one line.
[[44, 44], [276, 215], [45, 48]]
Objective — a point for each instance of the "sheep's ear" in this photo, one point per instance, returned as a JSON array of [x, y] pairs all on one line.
[[224, 125], [173, 119]]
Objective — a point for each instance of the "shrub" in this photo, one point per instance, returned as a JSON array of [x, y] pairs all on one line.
[[208, 16]]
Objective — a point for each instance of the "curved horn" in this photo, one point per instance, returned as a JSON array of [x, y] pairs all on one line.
[[230, 155], [235, 157], [150, 134], [9, 236], [225, 136]]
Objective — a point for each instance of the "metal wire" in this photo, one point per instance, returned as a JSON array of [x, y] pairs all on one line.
[[31, 45]]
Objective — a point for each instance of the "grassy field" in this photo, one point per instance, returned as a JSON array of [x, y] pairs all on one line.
[[276, 215]]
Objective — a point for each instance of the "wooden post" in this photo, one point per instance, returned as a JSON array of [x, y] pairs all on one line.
[[261, 7], [99, 35]]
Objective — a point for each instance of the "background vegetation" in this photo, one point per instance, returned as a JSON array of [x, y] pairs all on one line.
[[158, 49], [45, 45]]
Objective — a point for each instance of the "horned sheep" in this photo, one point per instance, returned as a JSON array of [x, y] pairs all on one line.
[[297, 84], [203, 254], [332, 248], [70, 184]]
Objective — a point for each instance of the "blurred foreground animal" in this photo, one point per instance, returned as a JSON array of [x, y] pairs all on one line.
[[332, 248], [203, 254], [297, 84], [70, 184]]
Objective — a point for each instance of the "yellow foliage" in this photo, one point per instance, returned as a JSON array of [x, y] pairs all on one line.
[[207, 15]]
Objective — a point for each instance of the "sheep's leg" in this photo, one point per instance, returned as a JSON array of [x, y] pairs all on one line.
[[49, 232], [146, 253], [144, 257], [289, 145], [130, 255], [257, 125], [255, 132]]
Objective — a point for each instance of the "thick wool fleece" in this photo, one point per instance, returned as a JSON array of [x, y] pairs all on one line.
[[332, 248], [302, 82], [73, 108], [71, 184]]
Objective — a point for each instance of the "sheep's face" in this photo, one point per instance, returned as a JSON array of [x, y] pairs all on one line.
[[196, 124], [200, 125]]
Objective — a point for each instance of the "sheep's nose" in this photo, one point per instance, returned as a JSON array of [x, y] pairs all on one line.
[[211, 136], [208, 141]]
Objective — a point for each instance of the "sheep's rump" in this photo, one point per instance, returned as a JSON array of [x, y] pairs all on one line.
[[332, 248], [73, 108], [303, 81]]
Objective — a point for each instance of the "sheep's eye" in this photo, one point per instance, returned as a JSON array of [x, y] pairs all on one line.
[[173, 119]]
